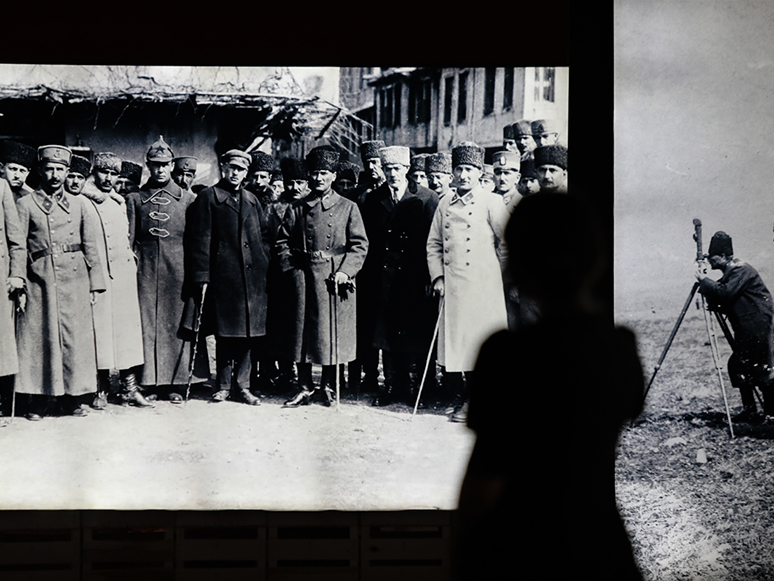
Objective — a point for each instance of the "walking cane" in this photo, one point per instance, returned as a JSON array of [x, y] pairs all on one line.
[[21, 300], [197, 327], [335, 333], [429, 356]]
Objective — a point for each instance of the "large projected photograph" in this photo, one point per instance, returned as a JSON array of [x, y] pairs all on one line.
[[221, 290]]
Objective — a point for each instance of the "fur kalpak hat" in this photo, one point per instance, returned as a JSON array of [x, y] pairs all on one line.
[[107, 160], [322, 158], [261, 161], [720, 244], [293, 169], [14, 152], [80, 165], [131, 171], [370, 149], [468, 153], [159, 151], [438, 162], [395, 154], [418, 162], [551, 155], [346, 170]]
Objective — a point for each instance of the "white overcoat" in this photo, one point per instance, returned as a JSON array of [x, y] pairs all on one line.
[[466, 247]]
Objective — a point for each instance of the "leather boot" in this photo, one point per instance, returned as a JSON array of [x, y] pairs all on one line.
[[103, 386], [303, 397], [248, 397], [132, 393]]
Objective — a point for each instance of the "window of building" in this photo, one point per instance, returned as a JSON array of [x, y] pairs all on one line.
[[508, 79], [545, 79], [462, 104], [420, 92], [385, 107], [448, 88], [489, 89], [396, 99]]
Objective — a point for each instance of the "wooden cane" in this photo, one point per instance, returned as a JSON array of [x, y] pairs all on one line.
[[429, 356], [196, 343]]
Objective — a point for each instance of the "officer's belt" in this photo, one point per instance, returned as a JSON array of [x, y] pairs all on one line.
[[54, 249], [322, 255]]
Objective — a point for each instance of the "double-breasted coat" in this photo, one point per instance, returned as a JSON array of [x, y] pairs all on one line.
[[395, 279], [56, 335], [227, 246], [157, 216], [321, 236], [13, 263], [117, 324], [466, 247]]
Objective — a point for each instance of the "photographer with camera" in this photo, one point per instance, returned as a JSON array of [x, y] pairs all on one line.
[[741, 295]]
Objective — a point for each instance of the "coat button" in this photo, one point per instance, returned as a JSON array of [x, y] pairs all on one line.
[[446, 262], [247, 245], [446, 250], [329, 235], [467, 264]]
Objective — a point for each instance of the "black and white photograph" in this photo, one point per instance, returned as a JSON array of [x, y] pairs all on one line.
[[266, 288], [693, 273]]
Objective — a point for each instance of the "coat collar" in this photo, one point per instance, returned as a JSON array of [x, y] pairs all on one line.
[[46, 202], [328, 200], [223, 196], [148, 191], [466, 199]]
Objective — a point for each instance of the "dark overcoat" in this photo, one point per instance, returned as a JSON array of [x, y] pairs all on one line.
[[13, 263], [395, 278], [56, 336], [157, 218], [321, 237], [228, 247], [742, 295], [285, 293]]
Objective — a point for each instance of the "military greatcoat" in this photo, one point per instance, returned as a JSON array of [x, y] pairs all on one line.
[[395, 279], [13, 263], [157, 218], [227, 247], [56, 336], [117, 325], [466, 247], [321, 237]]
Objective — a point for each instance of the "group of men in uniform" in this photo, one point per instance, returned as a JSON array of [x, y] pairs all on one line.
[[109, 277]]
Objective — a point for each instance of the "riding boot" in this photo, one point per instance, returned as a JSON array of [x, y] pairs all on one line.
[[453, 383], [132, 393], [248, 397], [388, 393]]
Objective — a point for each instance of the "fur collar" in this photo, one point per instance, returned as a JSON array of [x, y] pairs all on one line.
[[92, 192]]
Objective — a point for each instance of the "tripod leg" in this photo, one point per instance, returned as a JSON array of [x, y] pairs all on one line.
[[671, 338], [708, 321]]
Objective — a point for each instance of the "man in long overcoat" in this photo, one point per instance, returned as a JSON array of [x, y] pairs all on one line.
[[227, 247], [157, 215], [742, 295], [466, 257], [323, 236], [56, 336], [397, 223], [16, 161], [117, 324], [13, 270]]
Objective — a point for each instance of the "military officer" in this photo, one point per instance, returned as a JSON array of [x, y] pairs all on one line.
[[397, 222], [551, 165], [16, 161], [528, 182], [228, 248], [157, 217], [129, 179], [509, 139], [545, 132], [184, 171], [416, 174], [13, 271], [259, 176], [346, 179], [439, 173], [487, 178], [506, 166], [117, 326], [323, 236], [369, 155], [525, 143], [466, 256], [78, 172], [64, 277]]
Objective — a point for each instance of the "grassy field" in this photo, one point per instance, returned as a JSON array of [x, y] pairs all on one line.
[[697, 503]]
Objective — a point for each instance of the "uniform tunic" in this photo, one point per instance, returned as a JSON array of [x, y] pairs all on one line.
[[157, 218], [320, 237], [56, 336], [13, 263], [466, 247], [117, 325]]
